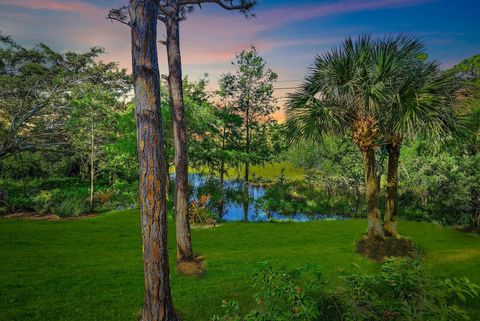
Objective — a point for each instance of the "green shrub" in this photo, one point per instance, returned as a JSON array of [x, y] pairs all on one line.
[[43, 202], [124, 195], [282, 295], [400, 291], [70, 207], [200, 213]]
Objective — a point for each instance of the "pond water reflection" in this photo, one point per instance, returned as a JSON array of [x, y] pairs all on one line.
[[233, 209]]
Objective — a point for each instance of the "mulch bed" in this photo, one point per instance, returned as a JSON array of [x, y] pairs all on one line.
[[379, 249], [196, 267]]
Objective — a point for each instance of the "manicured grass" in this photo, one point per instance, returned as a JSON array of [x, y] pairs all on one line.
[[91, 269]]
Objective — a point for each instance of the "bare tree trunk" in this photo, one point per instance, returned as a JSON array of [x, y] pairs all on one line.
[[167, 180], [221, 206], [246, 196], [474, 207], [371, 189], [92, 168], [24, 182], [391, 204], [158, 304], [184, 242]]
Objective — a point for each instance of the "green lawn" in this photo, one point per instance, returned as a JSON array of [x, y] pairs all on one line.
[[91, 269]]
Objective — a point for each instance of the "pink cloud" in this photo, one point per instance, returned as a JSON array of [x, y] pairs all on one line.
[[284, 15], [54, 5], [209, 41]]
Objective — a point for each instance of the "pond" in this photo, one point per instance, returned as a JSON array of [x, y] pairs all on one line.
[[233, 210]]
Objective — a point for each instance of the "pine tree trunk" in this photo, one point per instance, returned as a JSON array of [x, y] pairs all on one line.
[[391, 203], [246, 196], [371, 193], [158, 304], [222, 183], [184, 242]]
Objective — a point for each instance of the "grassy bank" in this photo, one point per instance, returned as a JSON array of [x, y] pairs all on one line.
[[91, 269], [270, 171]]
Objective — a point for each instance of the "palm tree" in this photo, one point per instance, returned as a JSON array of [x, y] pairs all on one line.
[[421, 105], [350, 89]]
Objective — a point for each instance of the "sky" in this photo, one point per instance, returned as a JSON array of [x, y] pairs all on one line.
[[287, 33]]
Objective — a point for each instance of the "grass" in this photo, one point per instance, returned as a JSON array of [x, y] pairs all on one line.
[[270, 171], [91, 269]]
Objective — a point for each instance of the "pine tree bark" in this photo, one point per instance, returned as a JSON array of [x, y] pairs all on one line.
[[158, 304], [373, 212], [391, 203], [184, 242], [246, 182]]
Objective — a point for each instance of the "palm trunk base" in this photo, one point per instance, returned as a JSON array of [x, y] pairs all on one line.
[[379, 248], [390, 228], [375, 225]]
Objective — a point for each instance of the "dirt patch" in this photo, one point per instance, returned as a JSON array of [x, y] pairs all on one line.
[[468, 229], [196, 267], [44, 217], [33, 216], [204, 226], [380, 248]]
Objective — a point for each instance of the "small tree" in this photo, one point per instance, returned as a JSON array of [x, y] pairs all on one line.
[[250, 93], [92, 125], [342, 93]]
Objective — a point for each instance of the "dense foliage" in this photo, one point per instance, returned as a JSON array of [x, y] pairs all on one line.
[[400, 291], [90, 140]]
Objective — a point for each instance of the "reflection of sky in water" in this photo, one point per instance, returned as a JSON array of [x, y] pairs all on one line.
[[233, 211]]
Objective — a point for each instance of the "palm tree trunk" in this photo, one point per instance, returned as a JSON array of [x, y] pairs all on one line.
[[158, 304], [184, 242], [371, 193], [391, 204]]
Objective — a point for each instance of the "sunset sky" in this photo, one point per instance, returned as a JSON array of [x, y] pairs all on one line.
[[288, 33]]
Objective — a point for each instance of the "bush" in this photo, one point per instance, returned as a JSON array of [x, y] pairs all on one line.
[[283, 295], [43, 202], [200, 213], [124, 195], [70, 207], [400, 291]]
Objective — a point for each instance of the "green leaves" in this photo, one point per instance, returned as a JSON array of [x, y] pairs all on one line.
[[382, 78]]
